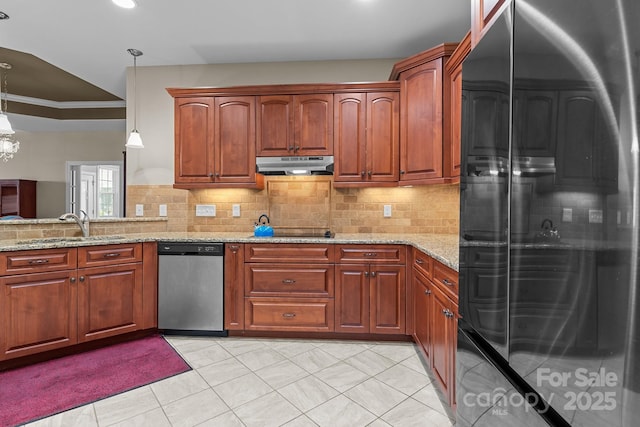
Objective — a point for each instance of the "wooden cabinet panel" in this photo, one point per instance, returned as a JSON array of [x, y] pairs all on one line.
[[94, 256], [149, 285], [234, 286], [109, 301], [283, 252], [275, 125], [483, 14], [295, 125], [38, 313], [443, 342], [422, 308], [235, 140], [296, 280], [289, 314], [387, 299], [194, 152], [352, 298], [36, 261], [447, 279], [388, 254], [366, 138]]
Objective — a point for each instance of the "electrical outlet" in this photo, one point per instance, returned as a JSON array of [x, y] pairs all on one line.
[[162, 210], [567, 215], [139, 210], [235, 210], [595, 216], [205, 210], [386, 211]]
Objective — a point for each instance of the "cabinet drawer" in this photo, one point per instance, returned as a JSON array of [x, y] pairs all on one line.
[[282, 252], [91, 256], [297, 280], [446, 279], [422, 262], [36, 261], [289, 314], [372, 253]]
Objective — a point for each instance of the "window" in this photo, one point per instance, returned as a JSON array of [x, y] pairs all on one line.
[[95, 188]]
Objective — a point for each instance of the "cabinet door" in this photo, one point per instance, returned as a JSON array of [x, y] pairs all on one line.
[[382, 137], [536, 112], [234, 141], [422, 303], [387, 299], [313, 125], [421, 122], [234, 286], [349, 140], [194, 154], [352, 298], [459, 108], [109, 301], [275, 125], [488, 111], [38, 313], [443, 341]]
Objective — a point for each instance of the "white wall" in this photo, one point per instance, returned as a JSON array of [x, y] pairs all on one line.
[[42, 157], [153, 165]]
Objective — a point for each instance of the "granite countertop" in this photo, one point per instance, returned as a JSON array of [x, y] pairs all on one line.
[[442, 247]]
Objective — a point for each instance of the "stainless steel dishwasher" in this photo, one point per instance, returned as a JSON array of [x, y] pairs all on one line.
[[191, 288]]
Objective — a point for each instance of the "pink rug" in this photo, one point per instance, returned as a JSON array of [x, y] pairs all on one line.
[[46, 388]]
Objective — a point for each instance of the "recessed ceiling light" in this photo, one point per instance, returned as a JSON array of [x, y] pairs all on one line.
[[127, 4]]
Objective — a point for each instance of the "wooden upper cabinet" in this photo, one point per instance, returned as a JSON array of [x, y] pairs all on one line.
[[366, 139], [194, 154], [295, 125], [215, 142], [234, 139], [458, 108], [483, 14], [425, 98]]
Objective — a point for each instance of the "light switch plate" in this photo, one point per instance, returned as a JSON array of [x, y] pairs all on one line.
[[235, 210], [139, 210], [205, 210], [595, 216], [162, 210], [567, 215], [386, 211]]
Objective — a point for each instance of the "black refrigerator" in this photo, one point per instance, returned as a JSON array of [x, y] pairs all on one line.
[[549, 207]]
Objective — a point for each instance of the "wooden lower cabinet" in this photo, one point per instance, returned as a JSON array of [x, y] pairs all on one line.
[[234, 286], [54, 298], [38, 313], [444, 324], [289, 314], [109, 301], [422, 308]]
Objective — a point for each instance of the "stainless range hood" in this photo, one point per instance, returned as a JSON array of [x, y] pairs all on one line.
[[300, 165]]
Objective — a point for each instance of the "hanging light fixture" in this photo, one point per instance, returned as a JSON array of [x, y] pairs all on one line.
[[134, 141], [8, 143]]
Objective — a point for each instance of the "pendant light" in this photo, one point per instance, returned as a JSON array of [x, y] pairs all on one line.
[[8, 143], [134, 141]]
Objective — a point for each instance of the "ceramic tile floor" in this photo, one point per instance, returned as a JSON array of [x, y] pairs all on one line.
[[277, 382]]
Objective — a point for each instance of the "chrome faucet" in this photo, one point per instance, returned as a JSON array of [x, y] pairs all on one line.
[[82, 223]]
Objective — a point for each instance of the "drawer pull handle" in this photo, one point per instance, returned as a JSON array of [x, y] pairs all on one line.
[[38, 261], [288, 315], [288, 281], [427, 292], [447, 282], [447, 313], [111, 255], [370, 254], [419, 261]]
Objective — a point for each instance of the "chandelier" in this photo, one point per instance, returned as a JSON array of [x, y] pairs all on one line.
[[8, 143]]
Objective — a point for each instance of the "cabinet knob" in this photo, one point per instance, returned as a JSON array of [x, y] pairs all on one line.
[[82, 278], [363, 173], [369, 173], [297, 147], [288, 315], [373, 274], [366, 274], [419, 261], [210, 174], [217, 174], [447, 313], [427, 292], [72, 279], [234, 248], [290, 148], [402, 172]]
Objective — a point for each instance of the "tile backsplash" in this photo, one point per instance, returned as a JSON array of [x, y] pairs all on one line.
[[306, 201]]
